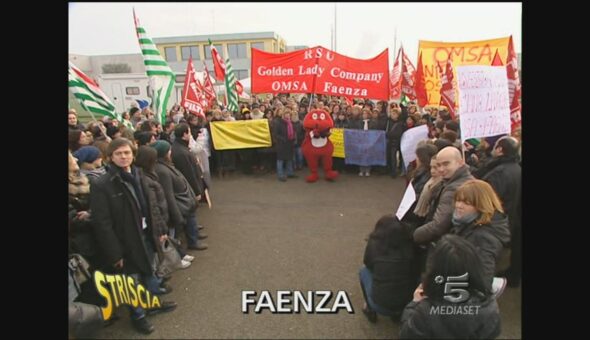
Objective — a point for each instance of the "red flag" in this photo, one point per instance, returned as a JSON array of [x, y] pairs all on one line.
[[395, 85], [191, 96], [348, 101], [408, 74], [208, 85], [420, 86], [447, 91], [497, 61], [239, 88], [513, 86], [136, 22], [218, 63], [205, 103]]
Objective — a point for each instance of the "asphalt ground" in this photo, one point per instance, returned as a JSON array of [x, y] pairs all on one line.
[[268, 235]]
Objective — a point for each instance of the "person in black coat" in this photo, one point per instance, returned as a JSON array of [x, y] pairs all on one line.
[[186, 163], [173, 183], [284, 138], [469, 312], [341, 122], [73, 123], [504, 174], [146, 160], [395, 127], [300, 134], [419, 177], [388, 278], [123, 223]]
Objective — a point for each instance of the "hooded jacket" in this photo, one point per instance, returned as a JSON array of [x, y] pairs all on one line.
[[489, 240]]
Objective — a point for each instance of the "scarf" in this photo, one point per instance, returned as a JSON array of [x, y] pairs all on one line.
[[290, 131], [133, 179], [424, 200], [466, 219]]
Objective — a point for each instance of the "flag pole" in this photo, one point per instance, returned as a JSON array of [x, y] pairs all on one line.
[[335, 27], [102, 129], [395, 41], [317, 61]]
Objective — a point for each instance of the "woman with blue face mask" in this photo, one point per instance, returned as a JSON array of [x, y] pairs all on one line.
[[479, 218]]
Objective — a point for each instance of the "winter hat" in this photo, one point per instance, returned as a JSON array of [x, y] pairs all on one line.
[[87, 154], [473, 141], [143, 137], [162, 147]]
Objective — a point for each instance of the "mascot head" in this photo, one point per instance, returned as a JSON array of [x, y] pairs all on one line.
[[318, 119]]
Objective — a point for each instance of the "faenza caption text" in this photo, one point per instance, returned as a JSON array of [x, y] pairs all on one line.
[[288, 302]]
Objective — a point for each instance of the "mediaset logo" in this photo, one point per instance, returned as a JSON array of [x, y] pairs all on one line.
[[288, 302], [123, 291], [453, 286], [455, 293]]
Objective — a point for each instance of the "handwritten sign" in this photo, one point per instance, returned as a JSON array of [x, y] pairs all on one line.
[[365, 148], [484, 107], [410, 139]]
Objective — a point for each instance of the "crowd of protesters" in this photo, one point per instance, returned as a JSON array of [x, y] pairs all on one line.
[[125, 177]]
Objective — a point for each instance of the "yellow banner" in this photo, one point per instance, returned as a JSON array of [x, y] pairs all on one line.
[[337, 138], [461, 53], [241, 134]]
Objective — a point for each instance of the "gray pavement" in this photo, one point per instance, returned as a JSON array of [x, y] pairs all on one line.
[[269, 235]]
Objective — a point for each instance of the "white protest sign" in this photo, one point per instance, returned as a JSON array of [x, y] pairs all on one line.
[[484, 107], [407, 201], [410, 139]]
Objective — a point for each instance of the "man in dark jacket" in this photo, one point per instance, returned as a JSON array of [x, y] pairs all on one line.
[[395, 128], [186, 163], [454, 173], [504, 175], [284, 143], [121, 212]]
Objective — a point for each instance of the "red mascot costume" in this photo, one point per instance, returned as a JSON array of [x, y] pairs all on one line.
[[316, 144]]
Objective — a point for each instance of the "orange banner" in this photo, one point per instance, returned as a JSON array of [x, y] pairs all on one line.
[[319, 70], [461, 53]]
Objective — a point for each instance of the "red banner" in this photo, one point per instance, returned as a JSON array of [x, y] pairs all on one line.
[[319, 70]]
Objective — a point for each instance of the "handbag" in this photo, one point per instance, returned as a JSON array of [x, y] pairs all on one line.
[[186, 201], [168, 259], [78, 267]]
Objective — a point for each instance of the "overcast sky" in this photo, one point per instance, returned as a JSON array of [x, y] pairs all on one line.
[[362, 30]]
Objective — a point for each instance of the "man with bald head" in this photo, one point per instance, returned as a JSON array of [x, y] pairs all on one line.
[[503, 173], [454, 172]]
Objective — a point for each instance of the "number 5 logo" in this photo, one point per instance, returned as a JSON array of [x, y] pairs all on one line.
[[454, 285]]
